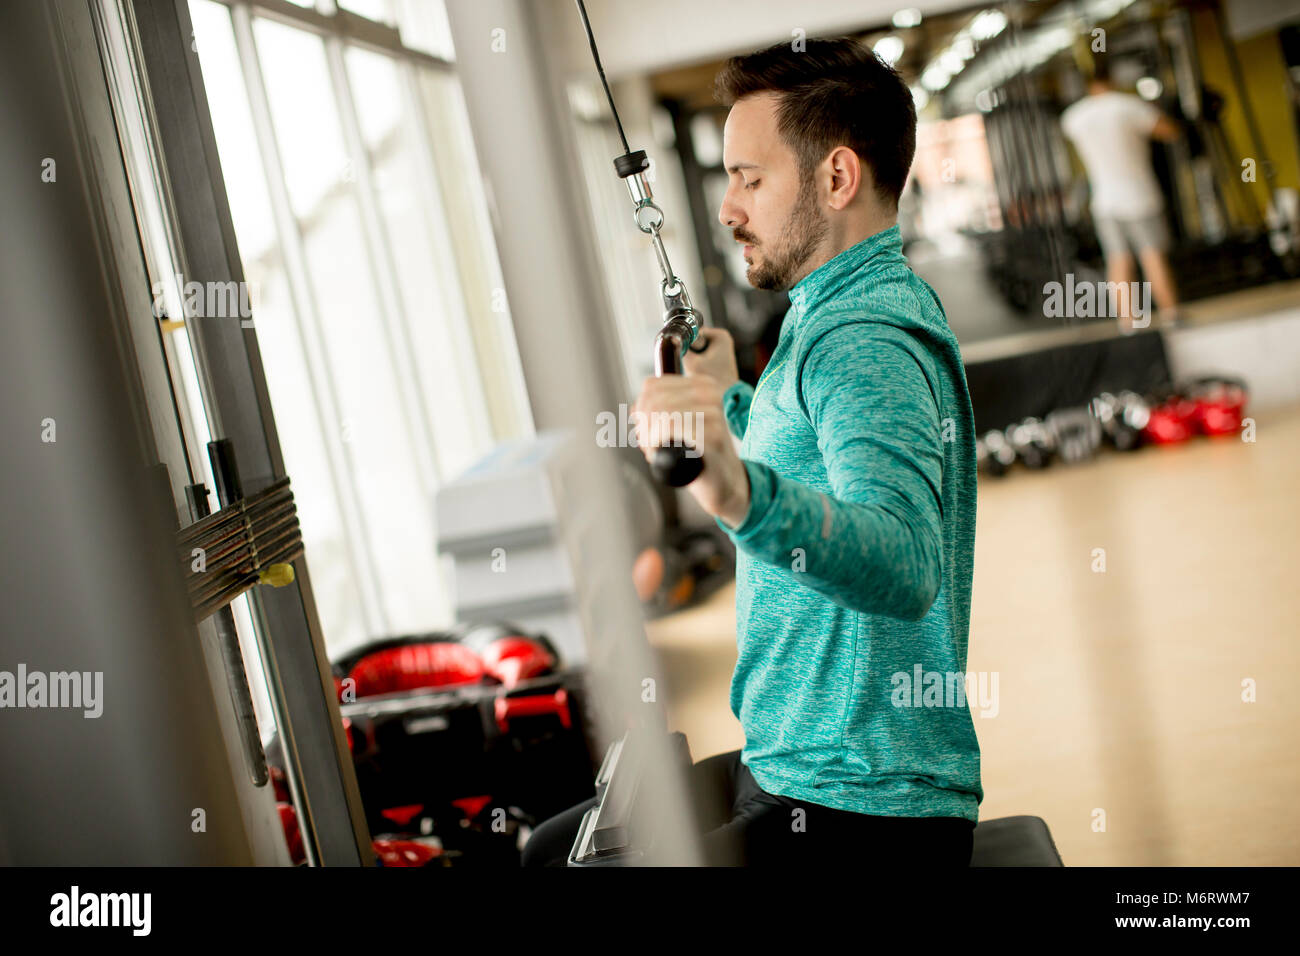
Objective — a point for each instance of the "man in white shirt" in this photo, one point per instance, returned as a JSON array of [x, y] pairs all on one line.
[[1111, 132]]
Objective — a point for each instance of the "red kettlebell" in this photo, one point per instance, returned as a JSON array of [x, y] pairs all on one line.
[[1220, 405], [1172, 421]]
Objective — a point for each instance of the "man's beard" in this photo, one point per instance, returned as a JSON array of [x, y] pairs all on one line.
[[803, 233]]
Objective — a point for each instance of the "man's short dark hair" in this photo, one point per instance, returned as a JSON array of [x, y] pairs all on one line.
[[835, 92]]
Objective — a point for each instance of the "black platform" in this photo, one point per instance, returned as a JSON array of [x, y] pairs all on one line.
[[1035, 383]]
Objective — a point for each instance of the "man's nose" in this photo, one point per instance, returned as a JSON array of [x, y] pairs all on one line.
[[729, 214]]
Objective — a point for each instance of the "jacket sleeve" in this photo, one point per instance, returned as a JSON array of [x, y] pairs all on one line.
[[874, 544], [735, 405]]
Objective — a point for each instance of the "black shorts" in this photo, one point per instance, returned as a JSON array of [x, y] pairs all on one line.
[[740, 824]]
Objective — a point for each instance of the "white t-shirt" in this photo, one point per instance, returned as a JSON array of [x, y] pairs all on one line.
[[1112, 133]]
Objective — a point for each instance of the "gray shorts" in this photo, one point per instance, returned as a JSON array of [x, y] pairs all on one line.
[[1121, 236]]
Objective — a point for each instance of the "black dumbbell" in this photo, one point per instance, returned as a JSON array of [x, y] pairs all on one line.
[[993, 453], [1076, 432], [1122, 418], [1033, 442]]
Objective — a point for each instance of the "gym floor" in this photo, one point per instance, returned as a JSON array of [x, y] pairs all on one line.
[[1121, 718]]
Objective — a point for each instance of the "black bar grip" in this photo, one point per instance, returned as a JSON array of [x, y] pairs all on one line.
[[670, 464]]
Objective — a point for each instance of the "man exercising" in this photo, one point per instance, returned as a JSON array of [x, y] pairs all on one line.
[[852, 498], [1112, 133]]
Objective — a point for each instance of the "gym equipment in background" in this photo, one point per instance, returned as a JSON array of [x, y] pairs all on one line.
[[518, 532], [404, 852], [1075, 432], [1122, 418], [1013, 387], [1170, 421], [671, 464], [1220, 404], [993, 453], [684, 568], [475, 752], [1209, 405], [1033, 441], [461, 740], [388, 852], [675, 565]]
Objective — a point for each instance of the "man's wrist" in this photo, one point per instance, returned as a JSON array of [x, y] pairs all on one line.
[[734, 512]]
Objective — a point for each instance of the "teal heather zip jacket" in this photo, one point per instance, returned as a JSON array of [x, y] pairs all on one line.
[[854, 561]]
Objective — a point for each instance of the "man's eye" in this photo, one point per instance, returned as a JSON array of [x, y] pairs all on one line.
[[753, 184]]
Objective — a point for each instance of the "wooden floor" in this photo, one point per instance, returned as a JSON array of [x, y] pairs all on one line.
[[1120, 693]]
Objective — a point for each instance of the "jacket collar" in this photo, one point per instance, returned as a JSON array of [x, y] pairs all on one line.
[[827, 279]]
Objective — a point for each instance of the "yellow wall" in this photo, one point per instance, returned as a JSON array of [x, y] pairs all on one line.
[[1265, 77]]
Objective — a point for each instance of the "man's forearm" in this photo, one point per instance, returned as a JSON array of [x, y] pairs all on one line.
[[734, 512], [881, 558]]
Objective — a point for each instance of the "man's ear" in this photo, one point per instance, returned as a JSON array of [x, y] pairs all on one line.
[[848, 177]]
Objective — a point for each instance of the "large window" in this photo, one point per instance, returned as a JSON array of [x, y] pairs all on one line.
[[363, 228]]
